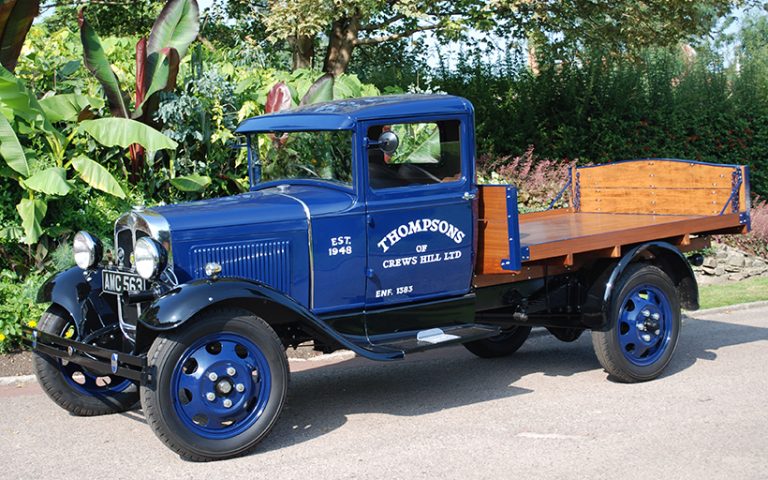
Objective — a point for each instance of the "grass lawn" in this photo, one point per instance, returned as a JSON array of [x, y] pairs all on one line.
[[731, 293]]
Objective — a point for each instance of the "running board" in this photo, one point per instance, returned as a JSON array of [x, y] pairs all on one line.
[[394, 346]]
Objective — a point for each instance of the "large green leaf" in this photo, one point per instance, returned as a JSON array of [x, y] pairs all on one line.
[[124, 132], [98, 64], [52, 181], [68, 106], [95, 175], [32, 212], [15, 19], [163, 78], [347, 86], [320, 91], [10, 148], [176, 27], [191, 183], [15, 97]]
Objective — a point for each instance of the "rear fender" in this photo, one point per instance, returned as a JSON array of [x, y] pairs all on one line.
[[183, 303], [597, 306]]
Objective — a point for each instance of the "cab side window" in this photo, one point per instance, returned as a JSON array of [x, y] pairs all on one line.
[[427, 153]]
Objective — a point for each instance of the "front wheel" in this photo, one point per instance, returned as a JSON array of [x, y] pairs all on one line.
[[218, 388], [645, 325], [75, 388]]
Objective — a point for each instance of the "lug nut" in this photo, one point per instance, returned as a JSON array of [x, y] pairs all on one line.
[[657, 332], [655, 316], [231, 371], [227, 403], [646, 313], [647, 338], [240, 387], [213, 377], [641, 327], [210, 396]]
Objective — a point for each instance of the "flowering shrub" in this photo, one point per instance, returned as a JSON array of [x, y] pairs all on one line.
[[538, 180], [756, 241]]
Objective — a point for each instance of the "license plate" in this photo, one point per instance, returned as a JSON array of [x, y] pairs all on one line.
[[119, 282]]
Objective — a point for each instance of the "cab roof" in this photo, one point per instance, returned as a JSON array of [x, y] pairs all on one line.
[[344, 114]]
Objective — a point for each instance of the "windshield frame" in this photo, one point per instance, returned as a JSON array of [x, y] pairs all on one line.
[[255, 165]]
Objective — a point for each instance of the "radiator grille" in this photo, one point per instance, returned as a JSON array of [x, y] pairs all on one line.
[[265, 261]]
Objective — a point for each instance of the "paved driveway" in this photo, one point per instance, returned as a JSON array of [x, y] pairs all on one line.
[[546, 412]]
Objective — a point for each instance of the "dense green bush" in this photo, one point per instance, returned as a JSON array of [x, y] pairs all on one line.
[[601, 109], [17, 306]]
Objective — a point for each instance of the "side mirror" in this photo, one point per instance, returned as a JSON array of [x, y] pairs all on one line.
[[388, 142]]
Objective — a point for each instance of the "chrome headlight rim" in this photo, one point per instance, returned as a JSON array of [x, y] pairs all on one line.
[[149, 258], [87, 250]]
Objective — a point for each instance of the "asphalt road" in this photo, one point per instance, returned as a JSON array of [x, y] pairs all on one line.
[[547, 412]]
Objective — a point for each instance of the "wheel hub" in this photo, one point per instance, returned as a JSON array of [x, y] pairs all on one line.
[[224, 386]]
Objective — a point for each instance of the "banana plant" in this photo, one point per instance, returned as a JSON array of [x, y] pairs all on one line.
[[157, 65], [15, 20], [49, 172]]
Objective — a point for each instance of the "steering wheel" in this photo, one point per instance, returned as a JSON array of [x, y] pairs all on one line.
[[423, 172]]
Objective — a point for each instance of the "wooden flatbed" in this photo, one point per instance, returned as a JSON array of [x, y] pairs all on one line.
[[613, 206]]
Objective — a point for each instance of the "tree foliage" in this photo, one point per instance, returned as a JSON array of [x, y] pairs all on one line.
[[617, 26]]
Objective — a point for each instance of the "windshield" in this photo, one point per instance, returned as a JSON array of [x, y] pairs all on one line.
[[322, 155]]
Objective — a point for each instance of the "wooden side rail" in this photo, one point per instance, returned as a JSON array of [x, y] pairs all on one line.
[[661, 187]]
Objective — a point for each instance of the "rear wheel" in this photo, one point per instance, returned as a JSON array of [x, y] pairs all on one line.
[[645, 326], [507, 343], [73, 387], [218, 386]]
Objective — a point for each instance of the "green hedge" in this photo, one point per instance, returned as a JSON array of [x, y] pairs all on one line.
[[602, 109]]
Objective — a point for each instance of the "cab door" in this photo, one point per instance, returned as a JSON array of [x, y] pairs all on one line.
[[419, 211]]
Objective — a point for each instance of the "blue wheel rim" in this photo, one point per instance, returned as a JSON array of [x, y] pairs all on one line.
[[221, 385], [89, 384], [86, 382], [645, 325]]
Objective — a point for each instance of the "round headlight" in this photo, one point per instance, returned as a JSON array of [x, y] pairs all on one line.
[[87, 250], [149, 258]]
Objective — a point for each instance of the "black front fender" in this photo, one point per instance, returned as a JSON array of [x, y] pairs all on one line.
[[70, 290], [182, 303]]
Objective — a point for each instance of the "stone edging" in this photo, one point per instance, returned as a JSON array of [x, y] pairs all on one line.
[[16, 380], [729, 308]]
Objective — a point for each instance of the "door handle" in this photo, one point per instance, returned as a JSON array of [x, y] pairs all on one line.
[[469, 196]]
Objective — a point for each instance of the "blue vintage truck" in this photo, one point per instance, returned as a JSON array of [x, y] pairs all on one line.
[[365, 229]]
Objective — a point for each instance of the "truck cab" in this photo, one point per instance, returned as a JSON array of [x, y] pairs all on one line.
[[410, 209]]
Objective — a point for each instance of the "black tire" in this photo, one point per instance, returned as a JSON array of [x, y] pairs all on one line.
[[165, 411], [614, 347], [60, 380], [501, 345]]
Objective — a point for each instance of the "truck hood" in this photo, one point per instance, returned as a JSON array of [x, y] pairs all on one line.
[[269, 205]]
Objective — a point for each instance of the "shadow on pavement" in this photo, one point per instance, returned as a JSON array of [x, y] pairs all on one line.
[[321, 400]]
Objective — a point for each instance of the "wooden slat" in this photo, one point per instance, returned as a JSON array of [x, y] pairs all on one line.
[[689, 201], [656, 174]]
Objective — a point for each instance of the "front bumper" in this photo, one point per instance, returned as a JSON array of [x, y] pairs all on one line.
[[100, 361]]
